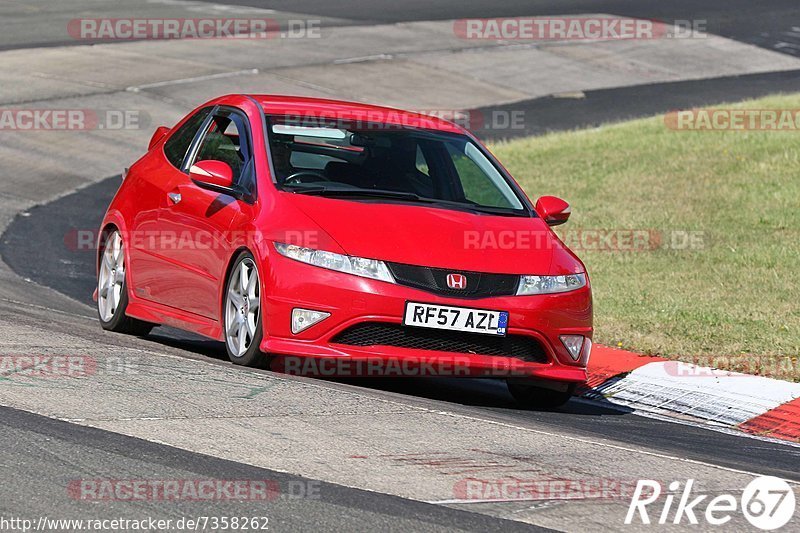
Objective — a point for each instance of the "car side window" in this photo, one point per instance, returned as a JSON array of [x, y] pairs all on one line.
[[479, 179], [227, 140], [176, 147], [419, 180], [422, 163]]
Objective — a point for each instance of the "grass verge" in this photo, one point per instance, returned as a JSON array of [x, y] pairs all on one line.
[[719, 278]]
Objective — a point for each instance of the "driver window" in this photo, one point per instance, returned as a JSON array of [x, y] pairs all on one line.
[[226, 140], [176, 147]]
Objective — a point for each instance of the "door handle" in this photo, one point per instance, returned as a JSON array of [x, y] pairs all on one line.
[[175, 197]]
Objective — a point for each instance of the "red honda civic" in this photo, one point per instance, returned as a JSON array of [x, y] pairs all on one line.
[[337, 238]]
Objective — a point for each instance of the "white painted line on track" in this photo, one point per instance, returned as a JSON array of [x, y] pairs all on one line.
[[362, 59], [207, 77], [43, 308]]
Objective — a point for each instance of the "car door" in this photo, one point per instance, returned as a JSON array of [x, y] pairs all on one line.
[[154, 179], [198, 226]]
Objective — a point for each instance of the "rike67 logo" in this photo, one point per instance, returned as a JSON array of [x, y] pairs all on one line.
[[767, 503]]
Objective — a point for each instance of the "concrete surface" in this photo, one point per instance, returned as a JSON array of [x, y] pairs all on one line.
[[70, 454], [772, 26]]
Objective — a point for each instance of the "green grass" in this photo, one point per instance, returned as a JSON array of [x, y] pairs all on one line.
[[739, 294]]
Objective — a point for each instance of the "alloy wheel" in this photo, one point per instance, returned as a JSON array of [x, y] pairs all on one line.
[[111, 281], [242, 307]]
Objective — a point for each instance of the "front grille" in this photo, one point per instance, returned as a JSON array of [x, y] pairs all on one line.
[[385, 334], [479, 285]]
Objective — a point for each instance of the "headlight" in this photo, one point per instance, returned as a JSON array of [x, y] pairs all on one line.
[[550, 284], [358, 266]]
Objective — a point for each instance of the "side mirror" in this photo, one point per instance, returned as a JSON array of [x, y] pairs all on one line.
[[553, 210], [159, 134], [213, 175]]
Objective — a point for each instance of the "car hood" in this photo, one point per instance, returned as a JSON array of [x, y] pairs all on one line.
[[437, 237]]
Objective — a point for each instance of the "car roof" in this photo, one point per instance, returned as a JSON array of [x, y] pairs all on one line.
[[322, 108]]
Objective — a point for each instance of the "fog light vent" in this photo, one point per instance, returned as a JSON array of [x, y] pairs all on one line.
[[303, 319], [573, 344]]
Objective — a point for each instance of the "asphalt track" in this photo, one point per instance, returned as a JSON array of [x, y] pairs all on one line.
[[54, 227], [767, 24], [770, 24], [66, 452], [593, 108]]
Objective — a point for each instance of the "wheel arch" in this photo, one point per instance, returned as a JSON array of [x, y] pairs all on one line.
[[107, 229]]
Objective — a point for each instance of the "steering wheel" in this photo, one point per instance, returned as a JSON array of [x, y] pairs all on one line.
[[297, 177]]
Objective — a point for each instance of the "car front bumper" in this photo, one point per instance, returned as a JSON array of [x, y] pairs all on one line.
[[353, 301]]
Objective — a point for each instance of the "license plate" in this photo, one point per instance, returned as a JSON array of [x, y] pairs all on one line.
[[455, 318]]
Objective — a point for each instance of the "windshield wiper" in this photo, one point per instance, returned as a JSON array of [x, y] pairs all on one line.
[[493, 210], [469, 205], [500, 211], [323, 190]]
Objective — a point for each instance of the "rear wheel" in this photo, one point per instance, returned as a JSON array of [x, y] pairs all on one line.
[[541, 396], [242, 316], [112, 294]]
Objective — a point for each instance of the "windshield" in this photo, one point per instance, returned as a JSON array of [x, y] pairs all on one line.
[[388, 163]]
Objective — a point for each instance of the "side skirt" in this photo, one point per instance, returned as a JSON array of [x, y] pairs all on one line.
[[176, 318]]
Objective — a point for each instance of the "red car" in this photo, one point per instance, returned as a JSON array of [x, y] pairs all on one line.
[[337, 238]]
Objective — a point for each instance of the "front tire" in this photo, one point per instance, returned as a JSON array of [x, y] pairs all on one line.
[[242, 314], [112, 293], [551, 396]]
